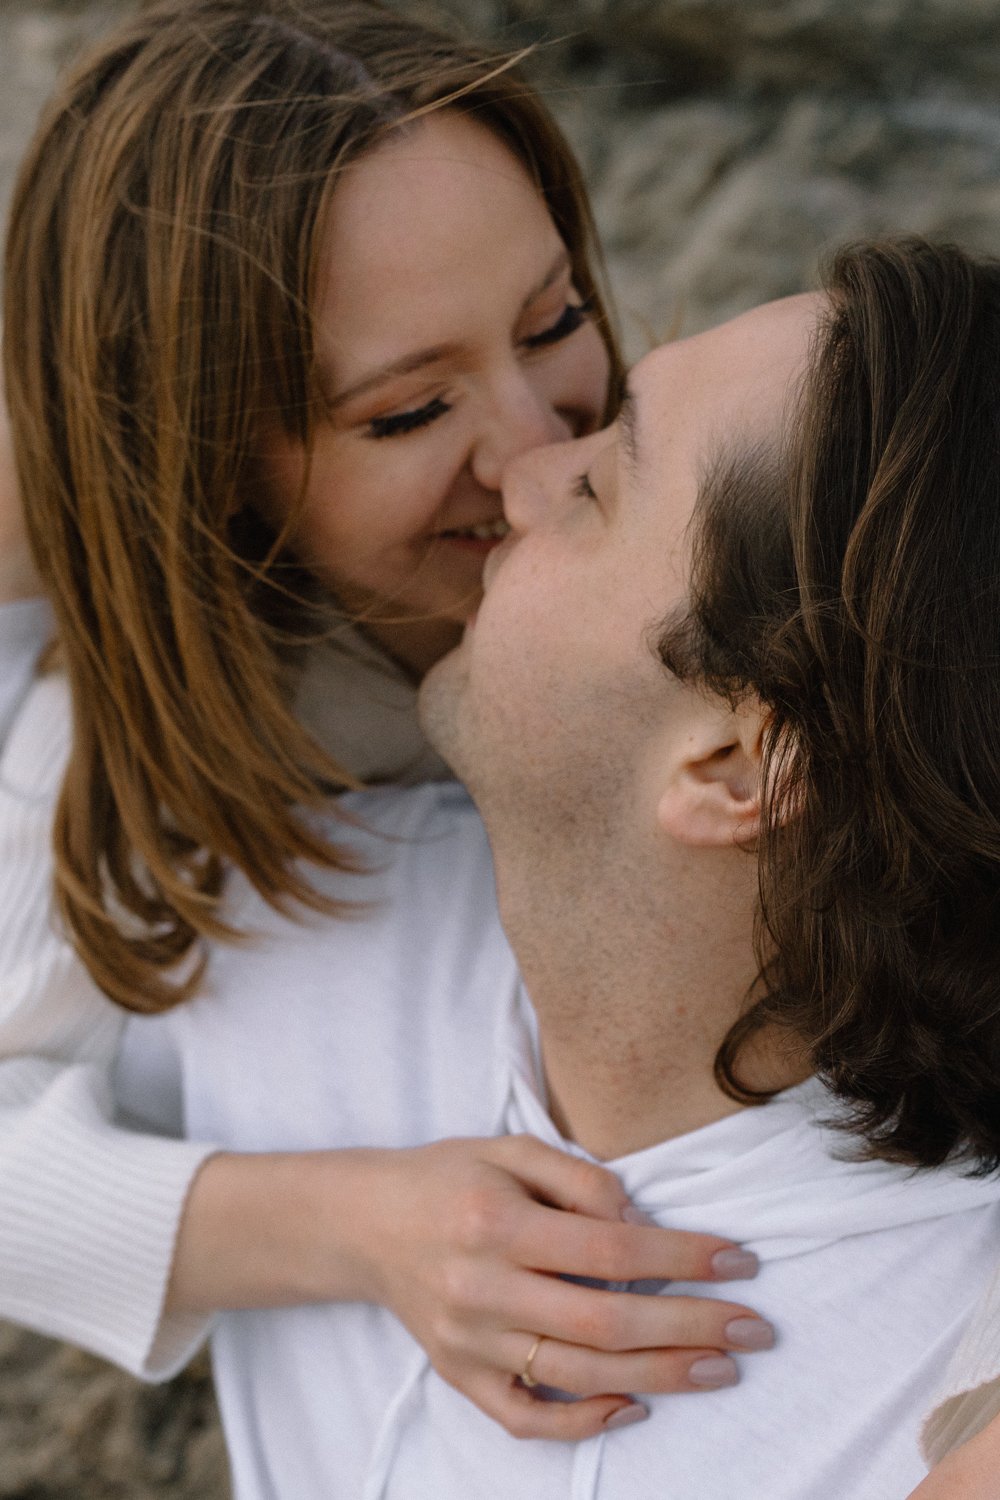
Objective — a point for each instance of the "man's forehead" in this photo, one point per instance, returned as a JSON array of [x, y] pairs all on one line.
[[737, 377]]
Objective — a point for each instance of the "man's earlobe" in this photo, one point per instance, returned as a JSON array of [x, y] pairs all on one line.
[[712, 803], [713, 798]]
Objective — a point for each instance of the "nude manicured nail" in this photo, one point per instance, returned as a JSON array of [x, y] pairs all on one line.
[[633, 1215], [713, 1371], [750, 1333], [735, 1265], [626, 1416]]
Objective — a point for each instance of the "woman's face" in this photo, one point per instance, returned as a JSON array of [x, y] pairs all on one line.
[[450, 339]]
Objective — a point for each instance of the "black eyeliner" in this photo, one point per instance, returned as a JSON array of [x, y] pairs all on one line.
[[407, 421], [574, 315]]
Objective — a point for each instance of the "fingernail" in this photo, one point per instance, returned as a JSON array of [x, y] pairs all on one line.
[[626, 1416], [735, 1265], [633, 1215], [713, 1371], [750, 1333]]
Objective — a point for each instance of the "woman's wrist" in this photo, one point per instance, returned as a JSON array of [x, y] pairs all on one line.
[[274, 1230]]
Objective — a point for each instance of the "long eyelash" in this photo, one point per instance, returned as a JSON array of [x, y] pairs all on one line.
[[574, 316], [582, 488], [407, 421]]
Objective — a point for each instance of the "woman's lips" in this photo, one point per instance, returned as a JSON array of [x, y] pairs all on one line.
[[480, 547], [479, 539]]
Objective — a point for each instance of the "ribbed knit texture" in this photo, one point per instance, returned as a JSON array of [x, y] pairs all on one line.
[[88, 1210], [969, 1395], [25, 626]]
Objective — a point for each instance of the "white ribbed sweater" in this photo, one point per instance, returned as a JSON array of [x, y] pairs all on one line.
[[89, 1209]]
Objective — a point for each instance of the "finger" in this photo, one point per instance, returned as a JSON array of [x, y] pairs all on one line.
[[563, 1180], [585, 1189], [569, 1244], [618, 1321], [525, 1416], [586, 1372]]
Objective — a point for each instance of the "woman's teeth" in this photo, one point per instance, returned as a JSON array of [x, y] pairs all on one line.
[[492, 531]]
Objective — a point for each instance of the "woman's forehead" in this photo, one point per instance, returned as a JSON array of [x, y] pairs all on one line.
[[429, 238]]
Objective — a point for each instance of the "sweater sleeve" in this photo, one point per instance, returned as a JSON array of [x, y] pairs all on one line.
[[969, 1395], [25, 626], [89, 1211]]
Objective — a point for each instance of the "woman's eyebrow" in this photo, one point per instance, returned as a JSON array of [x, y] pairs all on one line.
[[404, 366], [408, 364]]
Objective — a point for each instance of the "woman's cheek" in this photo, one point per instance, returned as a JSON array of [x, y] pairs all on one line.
[[577, 384], [405, 500], [597, 364], [430, 486]]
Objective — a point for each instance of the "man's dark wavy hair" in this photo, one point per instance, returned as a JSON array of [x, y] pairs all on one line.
[[852, 583]]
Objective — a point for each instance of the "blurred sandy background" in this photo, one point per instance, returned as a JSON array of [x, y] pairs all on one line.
[[729, 145]]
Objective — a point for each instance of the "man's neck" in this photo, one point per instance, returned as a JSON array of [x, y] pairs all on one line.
[[635, 988]]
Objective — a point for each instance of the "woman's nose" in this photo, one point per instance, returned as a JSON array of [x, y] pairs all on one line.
[[520, 423], [532, 483]]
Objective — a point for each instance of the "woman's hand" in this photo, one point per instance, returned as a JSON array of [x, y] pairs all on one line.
[[466, 1241], [475, 1236]]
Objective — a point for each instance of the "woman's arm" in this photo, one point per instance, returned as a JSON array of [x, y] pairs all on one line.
[[462, 1240], [971, 1472], [88, 1211], [127, 1243]]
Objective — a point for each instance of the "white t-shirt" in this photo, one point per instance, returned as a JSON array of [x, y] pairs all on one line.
[[413, 1025]]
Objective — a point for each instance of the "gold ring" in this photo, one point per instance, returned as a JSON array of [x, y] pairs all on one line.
[[526, 1377]]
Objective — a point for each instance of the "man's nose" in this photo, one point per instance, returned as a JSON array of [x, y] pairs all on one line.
[[520, 422]]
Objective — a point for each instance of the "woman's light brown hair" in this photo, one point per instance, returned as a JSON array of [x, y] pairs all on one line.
[[159, 277]]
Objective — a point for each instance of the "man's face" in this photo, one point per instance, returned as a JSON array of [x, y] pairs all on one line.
[[555, 703]]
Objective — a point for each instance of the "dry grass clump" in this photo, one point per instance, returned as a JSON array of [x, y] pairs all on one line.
[[74, 1428]]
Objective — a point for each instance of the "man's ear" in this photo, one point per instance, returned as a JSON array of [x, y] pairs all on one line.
[[713, 795]]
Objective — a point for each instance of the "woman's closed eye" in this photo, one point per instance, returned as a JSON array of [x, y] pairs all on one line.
[[397, 423], [573, 316]]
